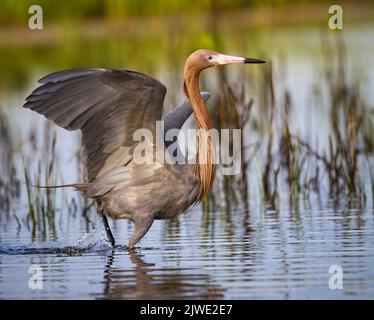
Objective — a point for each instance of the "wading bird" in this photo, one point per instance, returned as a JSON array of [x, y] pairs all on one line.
[[108, 106]]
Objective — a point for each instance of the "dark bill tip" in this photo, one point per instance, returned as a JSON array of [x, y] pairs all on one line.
[[251, 60]]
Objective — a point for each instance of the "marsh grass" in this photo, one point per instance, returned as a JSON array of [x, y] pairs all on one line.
[[9, 185], [34, 163], [284, 159]]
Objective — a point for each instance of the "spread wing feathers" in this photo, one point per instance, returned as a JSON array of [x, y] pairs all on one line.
[[106, 105]]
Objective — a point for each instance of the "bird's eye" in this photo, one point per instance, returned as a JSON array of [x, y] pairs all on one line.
[[210, 58]]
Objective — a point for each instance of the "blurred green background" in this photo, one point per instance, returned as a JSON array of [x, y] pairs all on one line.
[[154, 36]]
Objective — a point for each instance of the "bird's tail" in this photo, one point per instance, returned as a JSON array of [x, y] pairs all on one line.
[[81, 186]]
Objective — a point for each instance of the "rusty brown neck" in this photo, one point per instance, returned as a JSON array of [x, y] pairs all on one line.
[[192, 91], [205, 152]]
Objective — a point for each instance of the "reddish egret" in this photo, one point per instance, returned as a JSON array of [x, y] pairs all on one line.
[[108, 106]]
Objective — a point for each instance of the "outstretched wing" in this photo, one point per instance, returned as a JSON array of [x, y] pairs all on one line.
[[106, 105]]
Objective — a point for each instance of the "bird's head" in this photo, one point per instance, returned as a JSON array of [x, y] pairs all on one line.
[[203, 58]]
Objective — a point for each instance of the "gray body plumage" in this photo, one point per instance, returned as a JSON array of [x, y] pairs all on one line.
[[108, 106]]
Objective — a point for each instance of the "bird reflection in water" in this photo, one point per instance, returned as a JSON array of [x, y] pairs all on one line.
[[146, 280]]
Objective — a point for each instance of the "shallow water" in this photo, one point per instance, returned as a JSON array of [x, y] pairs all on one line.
[[276, 255]]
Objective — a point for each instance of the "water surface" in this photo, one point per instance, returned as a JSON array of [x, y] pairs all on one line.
[[259, 255]]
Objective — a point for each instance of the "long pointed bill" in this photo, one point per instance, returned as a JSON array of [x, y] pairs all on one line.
[[225, 59], [251, 60]]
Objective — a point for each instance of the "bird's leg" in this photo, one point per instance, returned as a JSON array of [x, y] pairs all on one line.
[[142, 224], [109, 233], [107, 229]]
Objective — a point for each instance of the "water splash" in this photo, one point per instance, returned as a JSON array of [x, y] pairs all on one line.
[[93, 241], [96, 239]]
